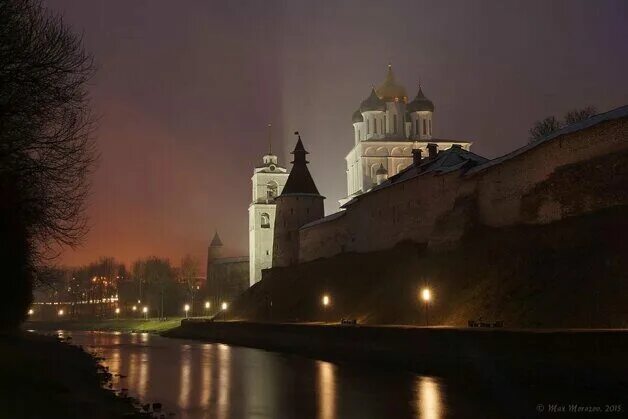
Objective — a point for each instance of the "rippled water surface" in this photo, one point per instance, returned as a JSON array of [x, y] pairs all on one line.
[[202, 380]]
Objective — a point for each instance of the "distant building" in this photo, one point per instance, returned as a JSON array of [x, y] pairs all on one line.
[[227, 277], [268, 182]]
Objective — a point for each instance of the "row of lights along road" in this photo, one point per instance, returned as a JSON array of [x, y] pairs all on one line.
[[426, 296]]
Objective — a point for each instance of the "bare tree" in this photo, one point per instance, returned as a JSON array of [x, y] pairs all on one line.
[[46, 150], [578, 115], [188, 274], [543, 128]]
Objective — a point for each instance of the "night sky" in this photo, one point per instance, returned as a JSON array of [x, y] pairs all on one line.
[[184, 91]]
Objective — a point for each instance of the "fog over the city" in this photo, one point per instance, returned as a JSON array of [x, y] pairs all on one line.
[[184, 92]]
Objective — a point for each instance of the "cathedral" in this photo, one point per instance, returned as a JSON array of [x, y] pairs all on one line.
[[389, 131], [386, 130]]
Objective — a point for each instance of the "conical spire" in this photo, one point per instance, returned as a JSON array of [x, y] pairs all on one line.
[[300, 180], [421, 102], [270, 140], [390, 91], [216, 242], [372, 103]]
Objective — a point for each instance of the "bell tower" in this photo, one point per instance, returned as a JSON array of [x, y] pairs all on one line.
[[267, 184]]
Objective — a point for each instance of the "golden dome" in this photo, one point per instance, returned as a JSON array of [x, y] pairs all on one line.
[[390, 91]]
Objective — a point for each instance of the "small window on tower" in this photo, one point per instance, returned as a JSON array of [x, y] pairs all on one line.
[[424, 127], [271, 190], [395, 123], [375, 126], [430, 127], [265, 220]]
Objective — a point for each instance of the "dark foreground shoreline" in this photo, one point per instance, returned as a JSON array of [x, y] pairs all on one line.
[[45, 377], [586, 359]]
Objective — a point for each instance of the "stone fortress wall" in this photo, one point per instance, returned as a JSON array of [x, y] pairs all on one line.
[[576, 170]]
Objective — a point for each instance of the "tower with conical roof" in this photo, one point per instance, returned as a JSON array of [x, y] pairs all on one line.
[[268, 181], [214, 251], [299, 203]]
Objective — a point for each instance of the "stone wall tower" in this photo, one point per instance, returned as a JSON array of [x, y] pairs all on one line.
[[214, 251], [268, 181], [298, 204]]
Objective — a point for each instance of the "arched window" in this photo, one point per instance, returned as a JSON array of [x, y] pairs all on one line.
[[265, 218], [271, 190]]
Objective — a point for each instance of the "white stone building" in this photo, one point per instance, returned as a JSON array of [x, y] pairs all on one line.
[[268, 181], [386, 129]]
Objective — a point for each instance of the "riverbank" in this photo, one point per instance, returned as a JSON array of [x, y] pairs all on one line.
[[526, 357], [44, 377], [106, 325]]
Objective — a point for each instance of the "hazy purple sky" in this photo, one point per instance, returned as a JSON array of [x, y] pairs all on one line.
[[185, 90]]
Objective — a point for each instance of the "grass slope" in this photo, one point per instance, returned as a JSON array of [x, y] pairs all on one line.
[[570, 273]]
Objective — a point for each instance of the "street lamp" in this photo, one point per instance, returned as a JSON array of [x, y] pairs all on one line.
[[426, 296], [60, 313], [326, 302], [134, 308], [186, 308], [207, 306], [117, 311], [224, 306], [145, 311], [30, 312]]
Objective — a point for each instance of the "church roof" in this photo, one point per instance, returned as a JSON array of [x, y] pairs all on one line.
[[357, 116], [372, 103], [420, 103], [300, 180], [216, 240], [390, 90], [454, 158]]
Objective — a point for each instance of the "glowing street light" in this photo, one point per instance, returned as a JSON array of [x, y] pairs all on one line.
[[60, 313], [326, 302], [30, 312], [117, 311], [145, 311], [134, 308], [186, 308], [207, 306], [224, 306], [426, 296]]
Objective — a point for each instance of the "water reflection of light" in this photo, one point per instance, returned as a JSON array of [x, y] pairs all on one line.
[[429, 395], [186, 377], [143, 375], [133, 376], [224, 372], [326, 382], [206, 375]]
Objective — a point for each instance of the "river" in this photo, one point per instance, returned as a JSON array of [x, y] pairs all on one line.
[[202, 380]]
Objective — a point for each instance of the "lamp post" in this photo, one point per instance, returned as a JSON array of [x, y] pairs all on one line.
[[207, 306], [31, 312], [60, 313], [186, 308], [326, 302], [426, 296], [117, 312], [224, 307], [145, 311]]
